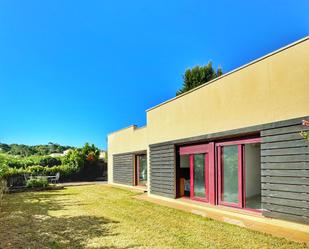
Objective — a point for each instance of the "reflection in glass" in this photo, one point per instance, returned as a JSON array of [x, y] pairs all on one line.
[[199, 175], [142, 169], [230, 174]]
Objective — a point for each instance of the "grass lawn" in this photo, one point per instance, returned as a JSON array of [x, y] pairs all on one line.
[[100, 216]]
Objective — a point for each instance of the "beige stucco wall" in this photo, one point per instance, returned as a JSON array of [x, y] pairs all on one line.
[[131, 139], [272, 89], [275, 88]]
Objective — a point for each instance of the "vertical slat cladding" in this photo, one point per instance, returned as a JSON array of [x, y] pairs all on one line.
[[163, 170], [123, 169], [285, 171]]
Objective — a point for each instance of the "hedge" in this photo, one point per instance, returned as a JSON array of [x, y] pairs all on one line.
[[64, 170]]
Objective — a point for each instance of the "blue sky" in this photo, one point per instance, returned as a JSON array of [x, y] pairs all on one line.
[[73, 71]]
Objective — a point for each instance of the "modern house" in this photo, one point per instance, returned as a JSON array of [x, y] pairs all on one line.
[[234, 141]]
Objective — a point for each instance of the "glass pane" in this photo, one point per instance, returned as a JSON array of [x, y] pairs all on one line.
[[184, 175], [199, 175], [230, 174], [253, 175], [143, 169]]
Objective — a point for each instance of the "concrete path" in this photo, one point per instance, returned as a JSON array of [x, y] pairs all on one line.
[[252, 220], [67, 184]]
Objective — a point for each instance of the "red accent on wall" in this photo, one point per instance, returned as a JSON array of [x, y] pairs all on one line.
[[191, 177], [240, 178], [194, 149], [212, 174]]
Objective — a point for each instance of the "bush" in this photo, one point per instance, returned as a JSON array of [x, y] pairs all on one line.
[[71, 166], [50, 161], [3, 169], [37, 183], [35, 170]]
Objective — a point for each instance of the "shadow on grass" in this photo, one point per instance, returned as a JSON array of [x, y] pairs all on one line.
[[25, 222]]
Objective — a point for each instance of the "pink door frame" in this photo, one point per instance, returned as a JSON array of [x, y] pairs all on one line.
[[213, 170], [137, 169], [208, 150], [241, 172]]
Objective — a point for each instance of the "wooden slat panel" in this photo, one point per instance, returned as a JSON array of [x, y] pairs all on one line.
[[284, 159], [284, 123], [284, 144], [162, 174], [286, 187], [160, 152], [161, 147], [284, 130], [164, 189], [161, 160], [162, 170], [163, 185], [287, 210], [295, 173], [285, 180], [284, 137], [278, 215], [285, 165], [165, 157], [284, 194], [286, 151], [123, 169], [285, 202]]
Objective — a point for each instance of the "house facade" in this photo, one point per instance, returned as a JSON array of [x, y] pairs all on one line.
[[234, 141]]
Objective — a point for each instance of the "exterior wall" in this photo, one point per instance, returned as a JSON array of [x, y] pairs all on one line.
[[123, 170], [285, 171], [262, 97], [163, 170], [270, 90], [128, 140]]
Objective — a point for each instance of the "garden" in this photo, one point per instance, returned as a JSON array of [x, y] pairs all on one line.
[[100, 216], [19, 170]]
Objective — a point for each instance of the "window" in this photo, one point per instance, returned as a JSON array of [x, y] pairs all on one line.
[[239, 173], [141, 169]]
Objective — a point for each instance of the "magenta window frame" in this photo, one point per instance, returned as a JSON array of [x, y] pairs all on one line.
[[191, 151], [137, 169], [206, 180], [241, 172]]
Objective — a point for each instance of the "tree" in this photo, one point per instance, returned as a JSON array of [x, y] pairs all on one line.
[[91, 152], [4, 147], [197, 76]]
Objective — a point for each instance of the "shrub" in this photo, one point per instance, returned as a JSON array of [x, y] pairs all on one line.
[[3, 169], [37, 183], [50, 161], [75, 159]]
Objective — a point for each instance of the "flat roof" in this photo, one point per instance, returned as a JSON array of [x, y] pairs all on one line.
[[231, 72]]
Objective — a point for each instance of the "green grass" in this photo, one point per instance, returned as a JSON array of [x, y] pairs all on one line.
[[103, 217]]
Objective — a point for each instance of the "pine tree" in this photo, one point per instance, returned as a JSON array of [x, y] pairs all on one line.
[[197, 76]]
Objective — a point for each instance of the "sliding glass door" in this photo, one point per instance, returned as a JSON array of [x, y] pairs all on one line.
[[141, 170], [239, 177], [199, 171], [199, 176], [234, 179], [230, 175]]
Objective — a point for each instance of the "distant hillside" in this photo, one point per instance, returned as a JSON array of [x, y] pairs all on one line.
[[30, 150]]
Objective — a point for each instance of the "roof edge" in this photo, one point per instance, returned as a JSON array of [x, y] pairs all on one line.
[[135, 127], [231, 72], [125, 128]]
